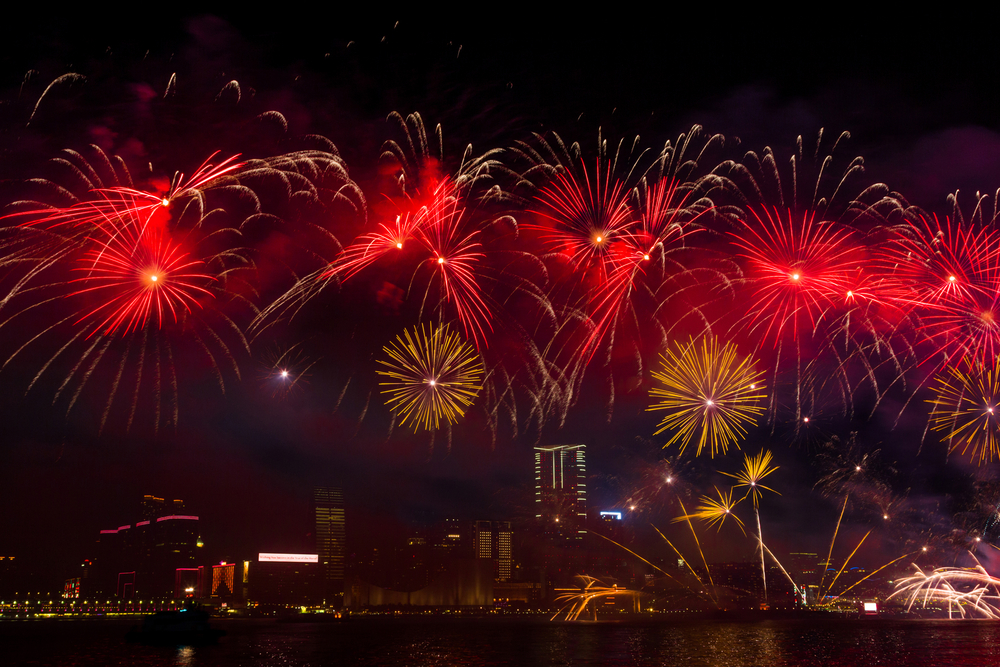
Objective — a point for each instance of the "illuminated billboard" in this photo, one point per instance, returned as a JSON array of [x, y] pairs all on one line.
[[287, 558]]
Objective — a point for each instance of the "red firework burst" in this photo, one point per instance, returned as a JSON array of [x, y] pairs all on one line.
[[456, 258], [663, 218], [797, 269], [948, 275], [936, 263], [453, 255], [369, 248], [138, 274], [588, 217]]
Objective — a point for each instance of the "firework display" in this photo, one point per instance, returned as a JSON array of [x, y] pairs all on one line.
[[571, 268], [565, 268]]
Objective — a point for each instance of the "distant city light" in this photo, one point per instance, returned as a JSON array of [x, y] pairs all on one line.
[[287, 558]]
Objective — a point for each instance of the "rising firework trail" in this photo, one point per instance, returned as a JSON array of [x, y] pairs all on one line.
[[755, 469]]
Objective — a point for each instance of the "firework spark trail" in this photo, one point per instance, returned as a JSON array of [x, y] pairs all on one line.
[[577, 599], [653, 565], [693, 572], [833, 540], [941, 586], [865, 578], [795, 588], [687, 519], [846, 562]]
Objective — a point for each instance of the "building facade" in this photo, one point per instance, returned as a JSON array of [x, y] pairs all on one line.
[[561, 492], [331, 541]]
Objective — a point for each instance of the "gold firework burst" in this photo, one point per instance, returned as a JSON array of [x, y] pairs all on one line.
[[432, 375], [710, 393], [755, 468], [714, 511], [965, 409]]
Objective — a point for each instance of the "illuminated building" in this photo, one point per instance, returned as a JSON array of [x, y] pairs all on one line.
[[561, 491], [465, 583], [189, 582], [807, 568], [285, 579], [152, 507], [224, 581], [493, 540], [142, 560], [331, 540]]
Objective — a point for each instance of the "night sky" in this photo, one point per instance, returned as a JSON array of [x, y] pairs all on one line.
[[919, 98]]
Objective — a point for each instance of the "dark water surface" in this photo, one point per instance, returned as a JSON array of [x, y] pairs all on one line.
[[475, 642]]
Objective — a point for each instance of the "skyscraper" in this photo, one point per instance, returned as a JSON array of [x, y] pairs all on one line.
[[331, 540], [494, 540], [561, 491]]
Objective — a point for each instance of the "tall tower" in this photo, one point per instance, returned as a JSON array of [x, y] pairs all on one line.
[[561, 491], [331, 540], [493, 540]]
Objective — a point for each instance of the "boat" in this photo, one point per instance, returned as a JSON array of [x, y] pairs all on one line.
[[188, 626]]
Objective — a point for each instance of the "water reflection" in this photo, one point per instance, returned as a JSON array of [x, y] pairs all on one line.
[[480, 642], [185, 656]]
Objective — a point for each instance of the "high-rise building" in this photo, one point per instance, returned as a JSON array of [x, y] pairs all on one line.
[[148, 553], [331, 540], [494, 540], [561, 491]]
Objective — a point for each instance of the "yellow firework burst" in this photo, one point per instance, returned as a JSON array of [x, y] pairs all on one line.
[[710, 393], [755, 468], [433, 375], [966, 403]]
